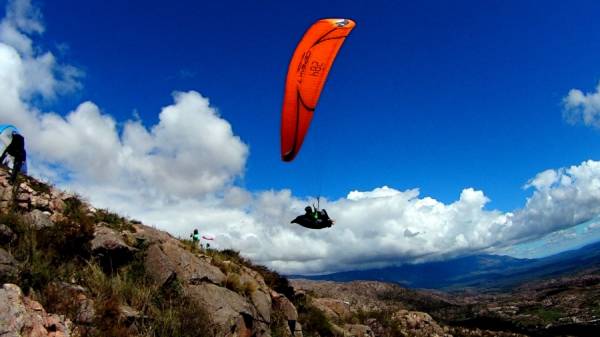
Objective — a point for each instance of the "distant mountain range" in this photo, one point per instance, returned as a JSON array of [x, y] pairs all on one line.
[[482, 272]]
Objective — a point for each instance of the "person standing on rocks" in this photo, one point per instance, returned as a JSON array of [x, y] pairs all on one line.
[[195, 237], [16, 149]]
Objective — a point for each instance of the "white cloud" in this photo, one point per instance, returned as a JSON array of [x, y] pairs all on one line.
[[40, 73], [191, 152], [583, 107], [180, 174]]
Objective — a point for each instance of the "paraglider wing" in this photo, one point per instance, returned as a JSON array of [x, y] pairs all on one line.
[[306, 76]]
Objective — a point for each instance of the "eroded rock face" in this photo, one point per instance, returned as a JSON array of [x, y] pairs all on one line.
[[22, 317]]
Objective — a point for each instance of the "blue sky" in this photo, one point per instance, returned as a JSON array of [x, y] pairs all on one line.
[[435, 95]]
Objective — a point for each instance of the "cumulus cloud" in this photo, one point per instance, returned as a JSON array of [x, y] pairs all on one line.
[[583, 107], [181, 173], [379, 229], [39, 71]]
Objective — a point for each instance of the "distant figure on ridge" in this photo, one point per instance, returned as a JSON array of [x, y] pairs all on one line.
[[195, 237], [314, 219], [15, 149]]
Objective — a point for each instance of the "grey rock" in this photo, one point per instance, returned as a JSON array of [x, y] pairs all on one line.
[[283, 304], [12, 311], [38, 219], [189, 267], [22, 317], [158, 265], [230, 312], [110, 247], [151, 235]]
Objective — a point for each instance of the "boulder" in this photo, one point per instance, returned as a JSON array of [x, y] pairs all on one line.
[[9, 268], [6, 235], [151, 235], [110, 247], [38, 219], [333, 308], [189, 267], [158, 265], [230, 312], [22, 317], [284, 305], [262, 302], [417, 323]]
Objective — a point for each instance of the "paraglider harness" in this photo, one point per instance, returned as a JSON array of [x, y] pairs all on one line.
[[315, 218]]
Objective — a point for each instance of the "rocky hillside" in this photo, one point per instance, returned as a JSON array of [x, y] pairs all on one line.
[[568, 306], [69, 269]]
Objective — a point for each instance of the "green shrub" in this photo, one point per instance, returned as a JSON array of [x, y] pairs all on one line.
[[113, 220], [70, 236], [14, 221]]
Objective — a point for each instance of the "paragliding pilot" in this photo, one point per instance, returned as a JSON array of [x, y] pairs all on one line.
[[195, 237], [314, 219], [15, 149]]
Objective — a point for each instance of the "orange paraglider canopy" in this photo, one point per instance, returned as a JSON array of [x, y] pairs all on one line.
[[306, 76]]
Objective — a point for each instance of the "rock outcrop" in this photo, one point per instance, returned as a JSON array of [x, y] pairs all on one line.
[[418, 324], [108, 245], [23, 317]]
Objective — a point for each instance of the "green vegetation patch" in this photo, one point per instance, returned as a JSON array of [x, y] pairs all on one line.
[[113, 220], [547, 315]]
